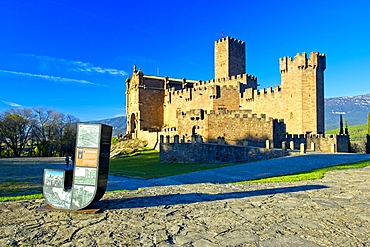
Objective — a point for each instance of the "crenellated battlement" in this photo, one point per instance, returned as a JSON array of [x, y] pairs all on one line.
[[231, 82], [228, 38], [181, 91], [266, 92], [315, 60]]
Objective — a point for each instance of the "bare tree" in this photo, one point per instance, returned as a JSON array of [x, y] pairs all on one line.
[[53, 132], [43, 129], [15, 128]]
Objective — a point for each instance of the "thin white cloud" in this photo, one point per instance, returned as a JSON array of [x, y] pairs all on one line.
[[52, 78], [76, 66], [11, 103]]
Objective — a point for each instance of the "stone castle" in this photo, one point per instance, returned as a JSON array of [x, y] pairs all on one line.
[[229, 106]]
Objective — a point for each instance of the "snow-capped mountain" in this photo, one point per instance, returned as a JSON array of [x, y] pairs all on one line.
[[352, 108]]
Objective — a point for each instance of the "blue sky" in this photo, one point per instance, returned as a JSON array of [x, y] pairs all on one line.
[[74, 56]]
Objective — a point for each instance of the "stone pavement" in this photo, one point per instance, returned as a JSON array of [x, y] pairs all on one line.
[[247, 171], [333, 211]]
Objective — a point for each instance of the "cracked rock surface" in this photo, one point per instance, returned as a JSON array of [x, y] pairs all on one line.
[[333, 211]]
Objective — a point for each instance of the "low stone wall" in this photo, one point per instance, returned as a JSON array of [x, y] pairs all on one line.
[[152, 138], [214, 153], [321, 143]]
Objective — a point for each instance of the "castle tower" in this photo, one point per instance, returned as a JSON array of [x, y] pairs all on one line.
[[229, 57], [302, 83], [144, 103]]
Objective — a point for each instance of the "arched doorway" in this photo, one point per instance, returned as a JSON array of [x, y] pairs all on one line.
[[132, 123]]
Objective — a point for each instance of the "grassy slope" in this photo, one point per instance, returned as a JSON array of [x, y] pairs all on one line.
[[145, 164], [356, 132]]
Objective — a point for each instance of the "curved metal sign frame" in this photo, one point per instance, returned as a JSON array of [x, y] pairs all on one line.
[[78, 188]]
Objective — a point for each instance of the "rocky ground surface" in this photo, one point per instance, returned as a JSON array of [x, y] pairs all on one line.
[[333, 211]]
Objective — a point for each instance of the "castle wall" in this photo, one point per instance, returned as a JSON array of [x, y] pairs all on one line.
[[267, 101], [325, 144], [151, 116], [217, 95], [213, 153], [234, 126], [321, 143]]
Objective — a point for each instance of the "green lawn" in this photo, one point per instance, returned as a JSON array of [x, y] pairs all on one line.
[[18, 198], [145, 164]]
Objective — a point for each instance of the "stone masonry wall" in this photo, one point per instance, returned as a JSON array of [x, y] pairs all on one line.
[[208, 95], [213, 153], [234, 126], [323, 144], [151, 116]]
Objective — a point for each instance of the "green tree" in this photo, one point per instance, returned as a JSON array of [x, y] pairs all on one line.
[[341, 125], [346, 127]]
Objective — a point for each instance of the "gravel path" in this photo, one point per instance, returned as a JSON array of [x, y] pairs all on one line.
[[333, 211]]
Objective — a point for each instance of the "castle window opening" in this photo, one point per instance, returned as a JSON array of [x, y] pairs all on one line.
[[218, 92], [201, 114], [221, 109]]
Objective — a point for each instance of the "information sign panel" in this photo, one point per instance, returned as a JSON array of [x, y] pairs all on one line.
[[90, 174]]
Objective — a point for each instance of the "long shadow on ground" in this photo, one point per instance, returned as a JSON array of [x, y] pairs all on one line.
[[173, 199]]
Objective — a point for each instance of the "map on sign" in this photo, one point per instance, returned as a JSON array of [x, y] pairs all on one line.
[[88, 136]]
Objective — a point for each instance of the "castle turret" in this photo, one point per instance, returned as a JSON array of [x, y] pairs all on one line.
[[229, 57], [302, 82]]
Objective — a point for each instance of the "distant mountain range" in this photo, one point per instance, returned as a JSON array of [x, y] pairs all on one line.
[[118, 123], [352, 108]]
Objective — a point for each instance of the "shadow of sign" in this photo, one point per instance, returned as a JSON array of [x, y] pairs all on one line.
[[174, 199]]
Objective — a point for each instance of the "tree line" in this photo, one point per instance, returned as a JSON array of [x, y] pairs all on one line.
[[37, 132]]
